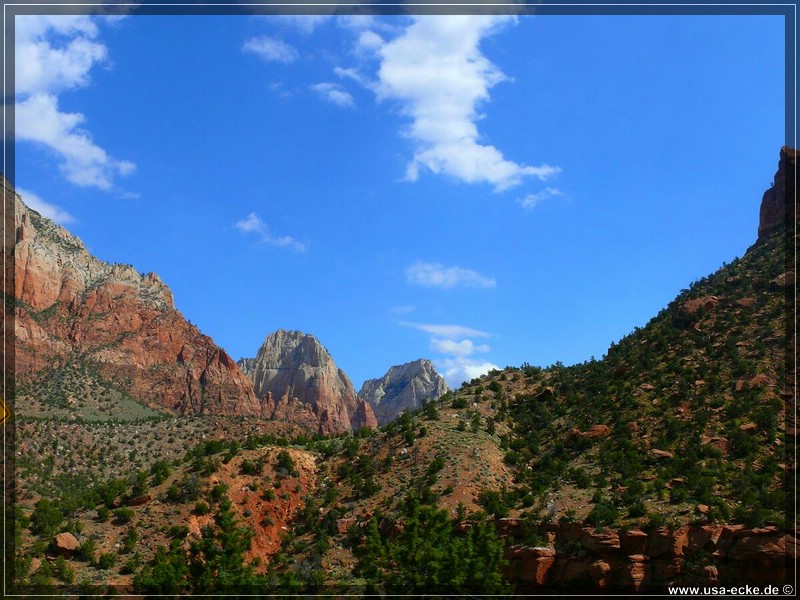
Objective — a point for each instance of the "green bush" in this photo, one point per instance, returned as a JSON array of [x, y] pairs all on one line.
[[129, 541], [46, 517], [106, 560], [494, 503], [123, 515], [604, 513], [86, 551], [160, 471], [63, 571], [284, 464]]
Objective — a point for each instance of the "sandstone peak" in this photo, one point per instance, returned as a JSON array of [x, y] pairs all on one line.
[[778, 205], [71, 306], [51, 265], [403, 388], [296, 378]]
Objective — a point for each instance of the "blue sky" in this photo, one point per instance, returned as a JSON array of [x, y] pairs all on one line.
[[481, 191]]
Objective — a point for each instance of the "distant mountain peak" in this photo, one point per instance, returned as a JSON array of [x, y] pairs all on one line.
[[294, 374], [403, 388]]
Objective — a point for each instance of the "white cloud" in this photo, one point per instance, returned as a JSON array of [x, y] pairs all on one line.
[[437, 275], [458, 370], [335, 94], [40, 67], [51, 211], [350, 74], [253, 224], [54, 53], [369, 41], [452, 341], [84, 162], [438, 73], [462, 348], [446, 331], [271, 50], [532, 200]]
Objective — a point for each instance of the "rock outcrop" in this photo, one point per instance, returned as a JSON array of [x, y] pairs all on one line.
[[779, 201], [246, 366], [71, 306], [296, 379], [403, 388], [637, 561], [65, 544]]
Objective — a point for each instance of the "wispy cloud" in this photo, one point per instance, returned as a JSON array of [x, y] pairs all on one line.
[[335, 94], [51, 211], [350, 73], [271, 49], [55, 53], [436, 70], [454, 344], [437, 275], [253, 224], [86, 164], [532, 200], [446, 331]]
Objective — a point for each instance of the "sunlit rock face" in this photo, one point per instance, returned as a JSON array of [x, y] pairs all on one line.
[[296, 378], [403, 388], [70, 306]]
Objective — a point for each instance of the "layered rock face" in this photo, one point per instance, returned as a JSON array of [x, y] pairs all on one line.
[[68, 306], [778, 206], [246, 366], [403, 388], [633, 560], [296, 379]]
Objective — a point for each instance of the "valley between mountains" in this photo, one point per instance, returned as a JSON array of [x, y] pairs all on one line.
[[147, 460]]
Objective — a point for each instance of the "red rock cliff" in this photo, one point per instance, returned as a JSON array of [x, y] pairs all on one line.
[[68, 305], [779, 204], [299, 373]]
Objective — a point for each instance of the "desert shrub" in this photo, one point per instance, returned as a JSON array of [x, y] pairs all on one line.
[[129, 541], [494, 503], [219, 491], [604, 513], [284, 464], [46, 517], [86, 551], [249, 467], [106, 560], [63, 571], [160, 471], [123, 515]]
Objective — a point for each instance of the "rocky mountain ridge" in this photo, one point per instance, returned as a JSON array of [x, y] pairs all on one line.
[[296, 379], [70, 308], [403, 388]]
